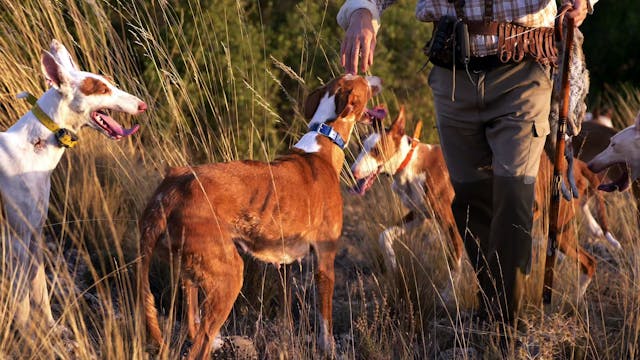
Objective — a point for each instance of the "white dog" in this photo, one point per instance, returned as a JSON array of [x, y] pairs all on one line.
[[624, 150], [31, 149]]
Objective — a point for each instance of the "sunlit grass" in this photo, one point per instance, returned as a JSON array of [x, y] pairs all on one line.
[[211, 91]]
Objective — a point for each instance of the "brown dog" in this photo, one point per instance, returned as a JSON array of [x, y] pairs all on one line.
[[275, 211], [421, 180]]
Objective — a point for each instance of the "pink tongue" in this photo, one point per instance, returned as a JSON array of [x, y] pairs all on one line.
[[377, 113], [116, 128]]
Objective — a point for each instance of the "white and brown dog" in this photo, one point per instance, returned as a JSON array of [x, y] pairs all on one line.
[[32, 148], [421, 180], [278, 211]]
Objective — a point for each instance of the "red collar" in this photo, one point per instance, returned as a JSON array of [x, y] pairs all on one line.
[[415, 140]]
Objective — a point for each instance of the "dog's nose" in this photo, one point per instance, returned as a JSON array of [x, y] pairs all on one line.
[[142, 106]]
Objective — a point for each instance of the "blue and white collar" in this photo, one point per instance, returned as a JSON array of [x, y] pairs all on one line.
[[328, 131]]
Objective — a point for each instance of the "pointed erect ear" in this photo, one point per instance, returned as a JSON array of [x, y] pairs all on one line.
[[62, 56], [312, 102], [53, 71], [398, 124]]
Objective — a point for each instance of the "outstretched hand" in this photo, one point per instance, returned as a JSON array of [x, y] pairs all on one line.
[[359, 42], [579, 12]]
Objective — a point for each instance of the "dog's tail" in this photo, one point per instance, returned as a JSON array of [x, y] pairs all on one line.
[[153, 226]]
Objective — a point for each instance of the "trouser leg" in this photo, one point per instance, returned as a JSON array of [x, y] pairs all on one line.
[[495, 219], [472, 209], [511, 234]]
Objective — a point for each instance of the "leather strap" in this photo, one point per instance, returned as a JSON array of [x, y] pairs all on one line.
[[488, 11], [459, 6]]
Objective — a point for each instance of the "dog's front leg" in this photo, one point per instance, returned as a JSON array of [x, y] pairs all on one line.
[[39, 292], [325, 278], [25, 209]]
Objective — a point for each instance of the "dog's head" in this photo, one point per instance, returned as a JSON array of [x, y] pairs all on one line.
[[87, 96], [623, 149], [383, 151], [343, 98]]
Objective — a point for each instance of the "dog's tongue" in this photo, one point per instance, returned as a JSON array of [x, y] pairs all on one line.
[[116, 128], [377, 113], [620, 184], [364, 184]]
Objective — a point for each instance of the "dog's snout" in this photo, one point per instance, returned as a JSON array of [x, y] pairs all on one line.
[[142, 106]]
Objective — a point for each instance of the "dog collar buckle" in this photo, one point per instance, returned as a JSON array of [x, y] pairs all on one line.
[[328, 131], [65, 137]]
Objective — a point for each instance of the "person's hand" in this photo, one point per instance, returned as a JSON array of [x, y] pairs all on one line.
[[359, 42], [579, 12]]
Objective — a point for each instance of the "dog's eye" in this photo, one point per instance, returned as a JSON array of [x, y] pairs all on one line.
[[375, 152]]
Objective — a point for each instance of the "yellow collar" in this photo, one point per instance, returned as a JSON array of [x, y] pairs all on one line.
[[66, 138]]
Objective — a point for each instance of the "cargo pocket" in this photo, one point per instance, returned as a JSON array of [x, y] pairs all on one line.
[[541, 128]]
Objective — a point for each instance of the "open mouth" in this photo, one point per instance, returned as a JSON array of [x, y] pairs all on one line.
[[378, 113], [365, 183], [621, 183], [110, 127]]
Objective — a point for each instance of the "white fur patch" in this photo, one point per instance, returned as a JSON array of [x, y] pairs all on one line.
[[365, 164], [594, 228], [308, 143], [326, 110], [386, 240]]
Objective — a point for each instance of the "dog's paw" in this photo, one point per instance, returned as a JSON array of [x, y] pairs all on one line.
[[612, 240]]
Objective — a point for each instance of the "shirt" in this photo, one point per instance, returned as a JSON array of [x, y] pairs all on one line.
[[530, 13]]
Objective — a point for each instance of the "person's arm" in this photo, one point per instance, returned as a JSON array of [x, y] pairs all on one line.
[[361, 20]]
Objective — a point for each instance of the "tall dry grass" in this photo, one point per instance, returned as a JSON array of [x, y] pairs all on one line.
[[209, 93]]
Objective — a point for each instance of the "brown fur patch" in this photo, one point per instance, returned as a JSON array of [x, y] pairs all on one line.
[[351, 96], [92, 86]]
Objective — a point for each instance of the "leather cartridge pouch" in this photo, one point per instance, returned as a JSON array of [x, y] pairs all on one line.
[[449, 43]]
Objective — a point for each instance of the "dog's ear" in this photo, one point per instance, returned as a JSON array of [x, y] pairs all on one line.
[[375, 83], [312, 102], [397, 127], [344, 102], [55, 73], [62, 55]]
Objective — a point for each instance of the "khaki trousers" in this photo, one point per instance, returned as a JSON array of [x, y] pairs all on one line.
[[492, 134]]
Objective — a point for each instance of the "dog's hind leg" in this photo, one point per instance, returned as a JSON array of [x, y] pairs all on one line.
[[386, 240], [190, 292], [568, 245], [325, 280], [220, 279]]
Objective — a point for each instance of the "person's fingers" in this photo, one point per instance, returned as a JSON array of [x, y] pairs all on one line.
[[366, 53], [371, 52], [353, 58]]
